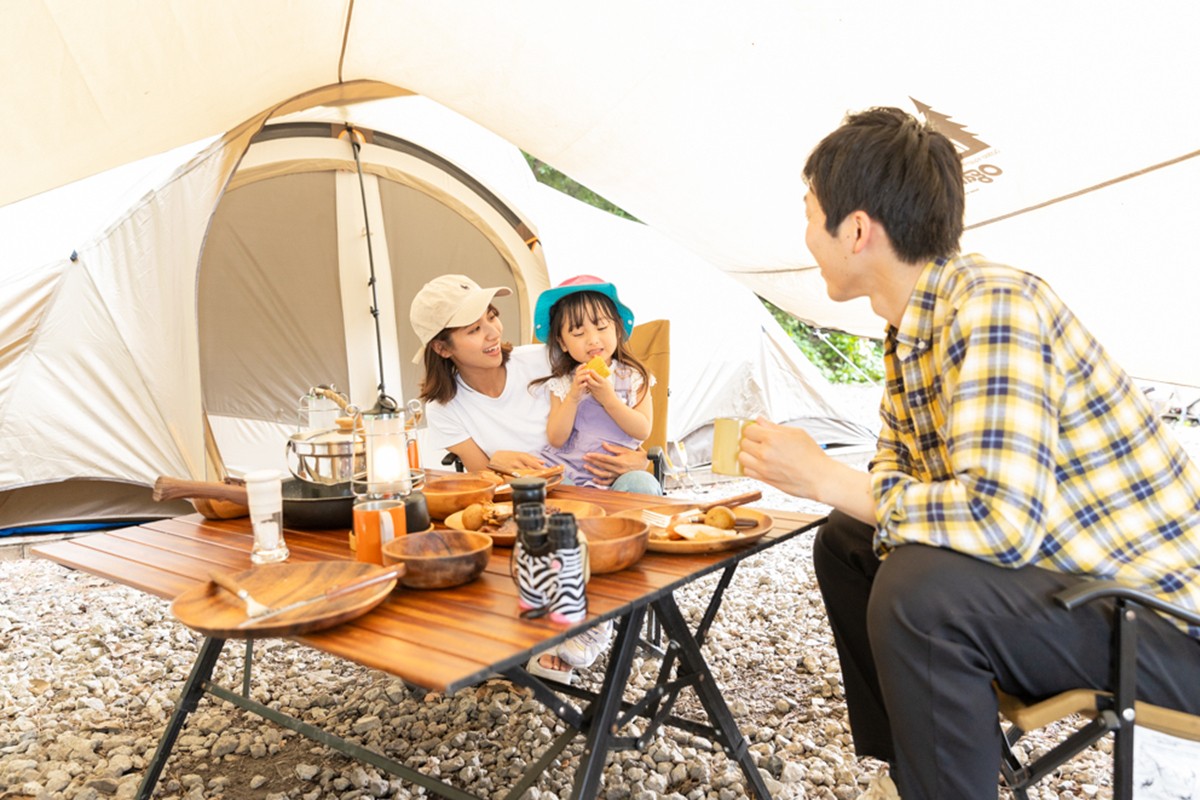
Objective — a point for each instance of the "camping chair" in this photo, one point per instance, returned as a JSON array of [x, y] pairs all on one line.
[[651, 343], [1107, 711]]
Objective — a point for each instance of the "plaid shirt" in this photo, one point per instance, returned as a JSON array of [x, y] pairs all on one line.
[[1010, 435]]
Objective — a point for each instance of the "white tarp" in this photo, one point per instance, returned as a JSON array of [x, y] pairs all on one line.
[[694, 116]]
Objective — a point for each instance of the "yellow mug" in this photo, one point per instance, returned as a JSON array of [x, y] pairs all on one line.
[[727, 443], [376, 523]]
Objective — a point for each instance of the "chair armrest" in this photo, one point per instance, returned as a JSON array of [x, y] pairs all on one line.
[[1086, 591], [658, 464], [451, 460]]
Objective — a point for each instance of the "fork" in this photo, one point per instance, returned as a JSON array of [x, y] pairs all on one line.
[[657, 520]]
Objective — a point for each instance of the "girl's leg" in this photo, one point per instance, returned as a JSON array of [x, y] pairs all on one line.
[[638, 482]]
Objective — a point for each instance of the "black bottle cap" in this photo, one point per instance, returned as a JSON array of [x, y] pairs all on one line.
[[528, 490]]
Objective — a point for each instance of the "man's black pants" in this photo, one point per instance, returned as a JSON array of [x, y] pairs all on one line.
[[922, 635]]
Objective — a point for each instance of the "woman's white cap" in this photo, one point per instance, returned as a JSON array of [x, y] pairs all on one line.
[[449, 301]]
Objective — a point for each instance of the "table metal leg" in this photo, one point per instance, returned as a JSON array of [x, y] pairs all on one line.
[[193, 690], [692, 661], [669, 691], [603, 712]]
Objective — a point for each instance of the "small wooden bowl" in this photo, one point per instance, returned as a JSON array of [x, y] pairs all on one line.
[[439, 559], [446, 495], [614, 543]]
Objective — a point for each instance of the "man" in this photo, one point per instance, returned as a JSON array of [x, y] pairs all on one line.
[[1015, 459]]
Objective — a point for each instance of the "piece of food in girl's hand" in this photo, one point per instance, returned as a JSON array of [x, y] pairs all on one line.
[[598, 366]]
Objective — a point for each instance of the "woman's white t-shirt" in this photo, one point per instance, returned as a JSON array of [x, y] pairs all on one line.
[[516, 420]]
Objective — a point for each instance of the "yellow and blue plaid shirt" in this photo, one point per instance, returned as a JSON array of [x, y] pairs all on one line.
[[1010, 435]]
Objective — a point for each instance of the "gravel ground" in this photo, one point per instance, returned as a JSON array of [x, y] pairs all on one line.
[[90, 671]]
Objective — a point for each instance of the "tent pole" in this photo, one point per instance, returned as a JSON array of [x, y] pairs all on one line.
[[355, 145]]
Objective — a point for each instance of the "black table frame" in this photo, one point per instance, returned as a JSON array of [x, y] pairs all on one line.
[[605, 714]]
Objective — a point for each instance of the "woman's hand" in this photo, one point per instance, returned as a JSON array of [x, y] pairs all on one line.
[[606, 467], [505, 461]]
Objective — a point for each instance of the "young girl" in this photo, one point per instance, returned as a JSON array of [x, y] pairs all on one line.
[[599, 392]]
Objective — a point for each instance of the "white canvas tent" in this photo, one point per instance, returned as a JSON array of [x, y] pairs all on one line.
[[231, 311], [695, 117]]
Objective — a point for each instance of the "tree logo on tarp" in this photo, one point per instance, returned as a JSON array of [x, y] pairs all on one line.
[[977, 154]]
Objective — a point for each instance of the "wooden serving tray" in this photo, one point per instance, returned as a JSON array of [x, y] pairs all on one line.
[[579, 508], [215, 612], [656, 544]]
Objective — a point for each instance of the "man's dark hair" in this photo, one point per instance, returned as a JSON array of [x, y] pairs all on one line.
[[900, 171]]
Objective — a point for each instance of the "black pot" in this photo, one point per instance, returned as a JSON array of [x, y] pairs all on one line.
[[315, 506]]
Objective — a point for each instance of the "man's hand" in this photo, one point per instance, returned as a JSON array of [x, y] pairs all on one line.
[[606, 467], [791, 460], [787, 458]]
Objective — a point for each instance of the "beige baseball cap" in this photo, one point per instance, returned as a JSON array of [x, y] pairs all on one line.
[[448, 301]]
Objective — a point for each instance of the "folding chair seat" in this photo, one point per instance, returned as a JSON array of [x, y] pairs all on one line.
[[1117, 712]]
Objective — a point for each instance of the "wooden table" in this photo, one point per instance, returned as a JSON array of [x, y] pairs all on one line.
[[446, 639]]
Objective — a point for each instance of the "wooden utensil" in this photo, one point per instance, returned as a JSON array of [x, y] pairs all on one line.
[[213, 500], [177, 488], [310, 506], [731, 502]]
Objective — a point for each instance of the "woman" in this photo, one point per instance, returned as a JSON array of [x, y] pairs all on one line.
[[480, 405], [478, 401]]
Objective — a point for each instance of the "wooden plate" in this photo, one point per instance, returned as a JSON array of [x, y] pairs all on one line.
[[763, 523], [215, 612], [577, 507]]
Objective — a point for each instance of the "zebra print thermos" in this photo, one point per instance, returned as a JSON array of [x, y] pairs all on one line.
[[569, 603]]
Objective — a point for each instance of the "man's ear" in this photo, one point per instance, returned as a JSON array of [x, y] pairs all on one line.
[[861, 229]]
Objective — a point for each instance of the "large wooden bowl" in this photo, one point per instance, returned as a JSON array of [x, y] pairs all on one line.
[[614, 543], [439, 559], [453, 493]]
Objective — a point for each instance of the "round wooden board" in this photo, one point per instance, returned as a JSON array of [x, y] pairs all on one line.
[[215, 612], [579, 508], [763, 524]]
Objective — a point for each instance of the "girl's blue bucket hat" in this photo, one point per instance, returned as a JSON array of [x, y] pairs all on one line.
[[580, 283]]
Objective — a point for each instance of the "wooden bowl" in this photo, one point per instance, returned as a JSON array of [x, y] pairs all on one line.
[[614, 543], [439, 559], [446, 495]]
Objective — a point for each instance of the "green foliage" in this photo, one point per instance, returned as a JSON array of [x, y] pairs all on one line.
[[556, 180], [842, 358]]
